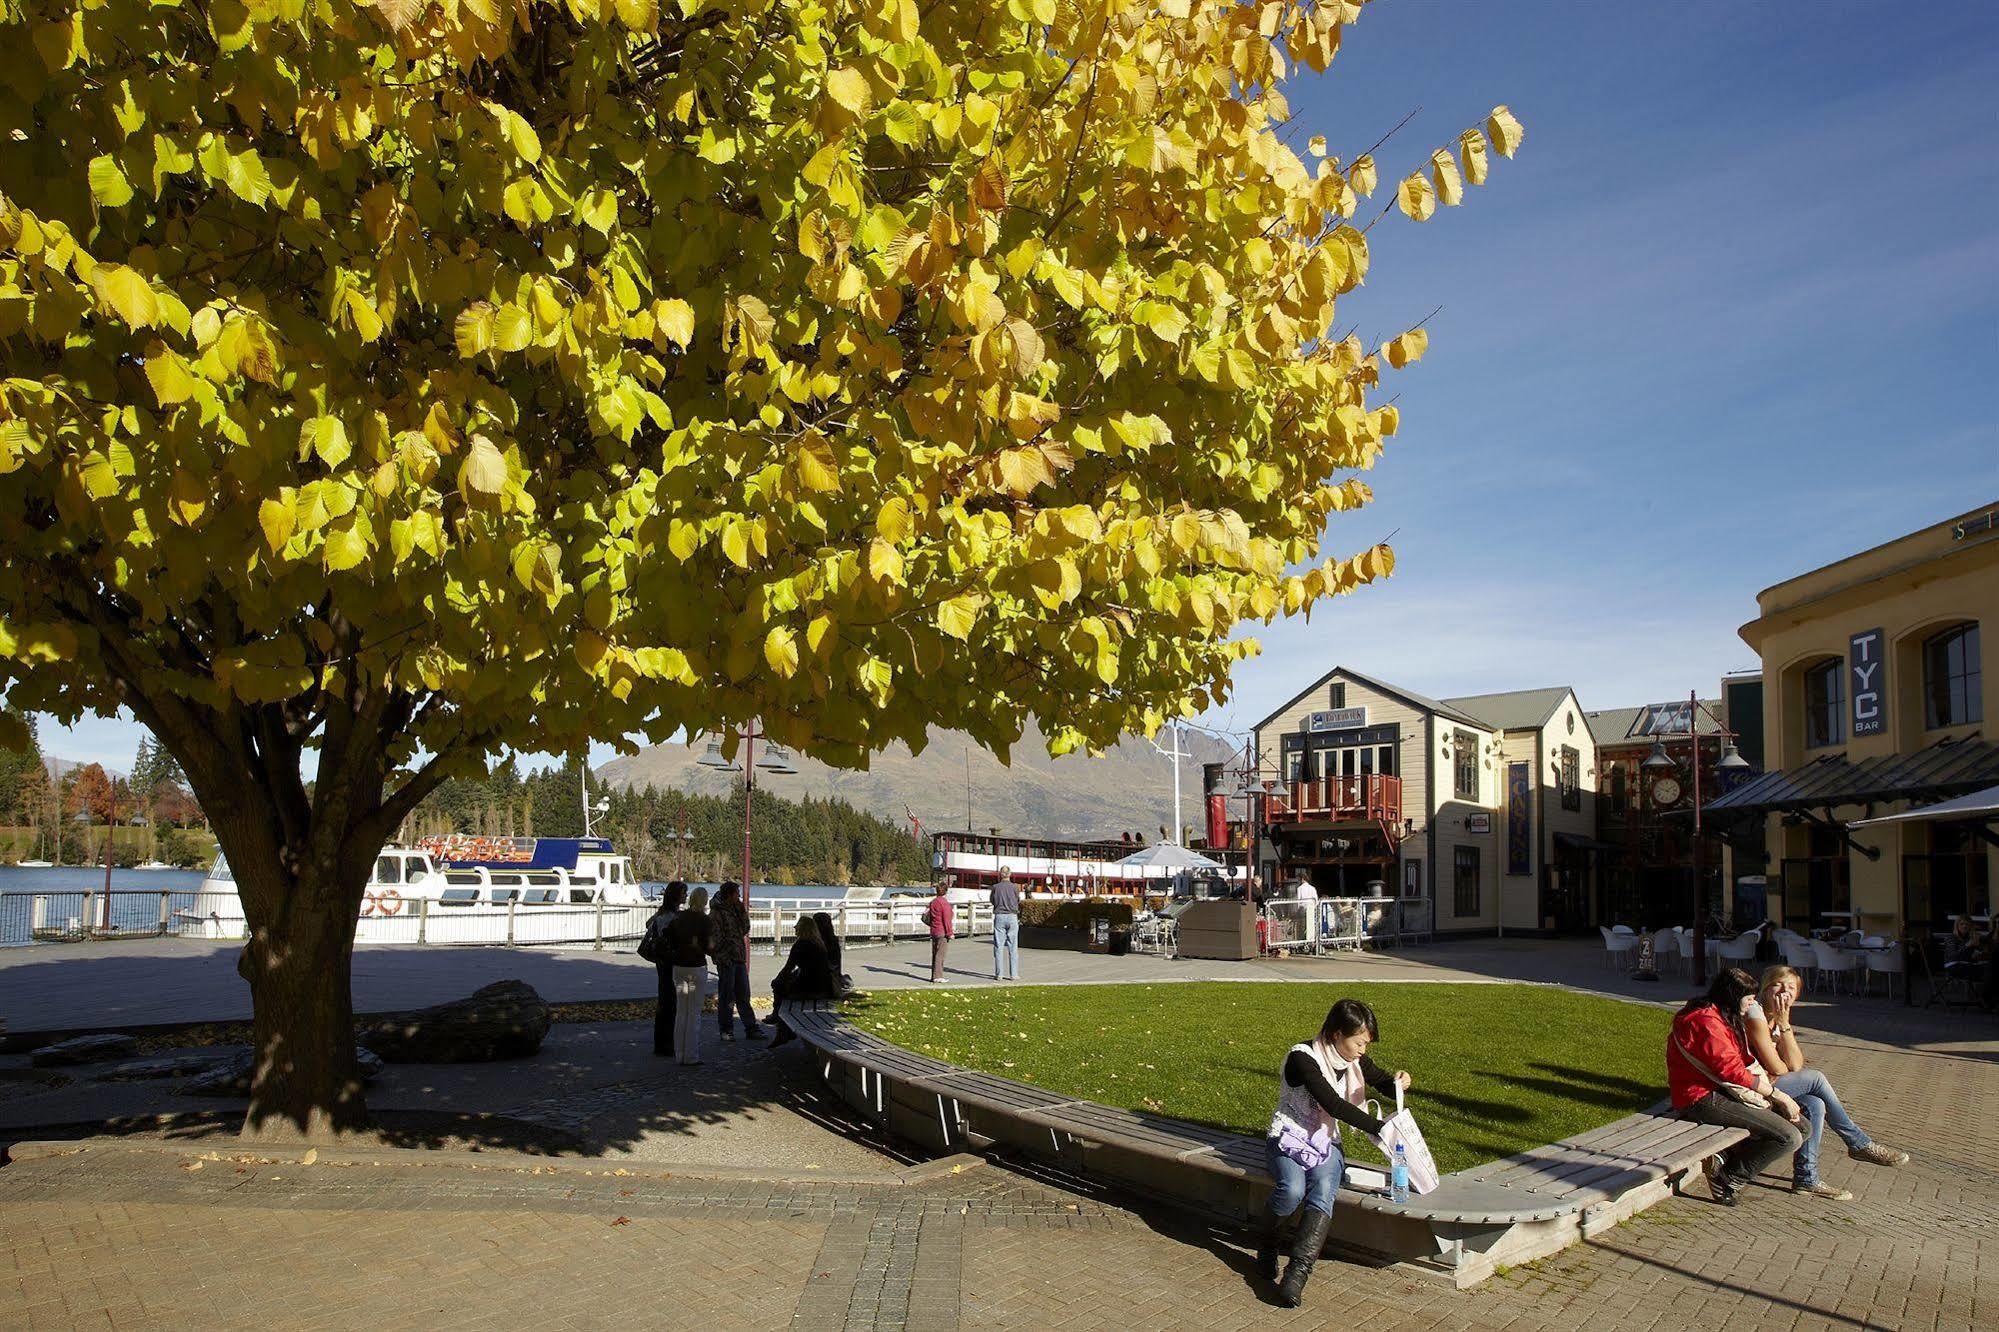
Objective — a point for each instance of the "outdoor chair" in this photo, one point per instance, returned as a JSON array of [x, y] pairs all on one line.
[[1740, 950], [1798, 956], [1616, 946], [1833, 964], [1621, 929], [1886, 962], [1665, 947]]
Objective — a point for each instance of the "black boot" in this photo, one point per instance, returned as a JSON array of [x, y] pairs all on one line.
[[1266, 1248], [1312, 1228]]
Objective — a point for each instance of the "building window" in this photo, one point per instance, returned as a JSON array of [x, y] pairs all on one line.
[[1570, 778], [1951, 678], [1339, 699], [1464, 881], [1825, 700], [1464, 747]]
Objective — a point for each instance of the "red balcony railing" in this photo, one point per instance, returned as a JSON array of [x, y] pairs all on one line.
[[1337, 798]]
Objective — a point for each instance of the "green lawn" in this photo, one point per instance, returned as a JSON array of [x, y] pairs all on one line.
[[1497, 1068]]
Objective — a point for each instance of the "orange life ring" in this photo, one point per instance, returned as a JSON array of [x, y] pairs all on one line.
[[368, 904], [389, 901]]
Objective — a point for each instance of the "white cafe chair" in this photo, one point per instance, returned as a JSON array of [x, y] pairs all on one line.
[[1884, 958], [1621, 929], [1617, 946], [1742, 948], [1799, 957], [1665, 947], [1833, 964]]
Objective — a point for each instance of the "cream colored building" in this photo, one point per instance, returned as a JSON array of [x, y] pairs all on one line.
[[1876, 701], [1381, 789]]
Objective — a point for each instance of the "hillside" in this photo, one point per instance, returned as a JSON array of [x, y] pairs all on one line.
[[1129, 789]]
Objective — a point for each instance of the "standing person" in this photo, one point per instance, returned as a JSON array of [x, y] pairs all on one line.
[[1773, 1041], [1708, 1069], [1005, 898], [804, 975], [731, 925], [663, 1012], [689, 940], [942, 922], [1321, 1086]]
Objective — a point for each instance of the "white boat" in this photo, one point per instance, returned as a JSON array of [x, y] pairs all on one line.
[[468, 890], [154, 865], [35, 864]]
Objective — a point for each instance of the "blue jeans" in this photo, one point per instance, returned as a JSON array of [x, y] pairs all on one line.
[[1814, 1094], [732, 987], [1315, 1187], [1006, 946]]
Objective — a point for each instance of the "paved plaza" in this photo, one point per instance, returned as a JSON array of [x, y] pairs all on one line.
[[744, 1200]]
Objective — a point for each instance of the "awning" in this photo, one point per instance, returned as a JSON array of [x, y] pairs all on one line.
[[1579, 842], [1983, 805], [1943, 770]]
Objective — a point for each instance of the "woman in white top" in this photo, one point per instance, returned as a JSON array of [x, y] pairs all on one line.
[[1323, 1083]]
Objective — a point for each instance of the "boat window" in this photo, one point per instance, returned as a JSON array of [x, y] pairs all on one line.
[[582, 895], [220, 870], [388, 870], [501, 895], [542, 895], [458, 897]]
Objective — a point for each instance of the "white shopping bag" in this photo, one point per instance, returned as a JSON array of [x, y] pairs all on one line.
[[1400, 1128]]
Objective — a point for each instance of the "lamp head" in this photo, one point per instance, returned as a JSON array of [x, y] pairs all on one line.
[[1658, 760], [1731, 761], [713, 757], [776, 759]]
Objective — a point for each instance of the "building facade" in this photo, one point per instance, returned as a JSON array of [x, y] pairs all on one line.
[[1875, 700], [1482, 807]]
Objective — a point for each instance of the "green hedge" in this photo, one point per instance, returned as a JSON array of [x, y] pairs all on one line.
[[1074, 915]]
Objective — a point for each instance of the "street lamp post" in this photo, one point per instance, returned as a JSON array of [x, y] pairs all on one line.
[[1730, 761], [775, 761]]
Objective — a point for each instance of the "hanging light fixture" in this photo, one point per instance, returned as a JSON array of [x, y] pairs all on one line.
[[1730, 760], [713, 758], [1658, 758], [776, 759]]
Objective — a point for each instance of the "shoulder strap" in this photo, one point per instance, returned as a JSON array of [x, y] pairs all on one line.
[[1698, 1066]]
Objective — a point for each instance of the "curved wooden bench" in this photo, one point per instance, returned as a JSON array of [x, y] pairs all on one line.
[[1505, 1212]]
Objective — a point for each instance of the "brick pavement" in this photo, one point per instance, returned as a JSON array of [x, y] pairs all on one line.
[[126, 1235]]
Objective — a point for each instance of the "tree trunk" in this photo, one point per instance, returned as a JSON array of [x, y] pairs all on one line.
[[299, 963]]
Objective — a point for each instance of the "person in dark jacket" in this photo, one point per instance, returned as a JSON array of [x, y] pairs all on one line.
[[1322, 1085], [732, 962], [827, 936], [689, 940], [663, 1014], [803, 976]]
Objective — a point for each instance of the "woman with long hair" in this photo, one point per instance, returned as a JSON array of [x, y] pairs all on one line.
[[663, 1013], [732, 962], [1322, 1085], [804, 975], [1712, 1079]]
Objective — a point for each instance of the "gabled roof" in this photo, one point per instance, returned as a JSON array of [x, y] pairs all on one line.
[[1406, 695], [1516, 710]]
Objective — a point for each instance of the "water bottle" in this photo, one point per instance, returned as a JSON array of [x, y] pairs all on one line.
[[1398, 1179]]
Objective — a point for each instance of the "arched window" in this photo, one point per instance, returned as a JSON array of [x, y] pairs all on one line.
[[1825, 701], [1951, 679]]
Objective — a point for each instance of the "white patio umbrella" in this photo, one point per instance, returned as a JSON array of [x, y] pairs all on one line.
[[1978, 805], [1169, 856]]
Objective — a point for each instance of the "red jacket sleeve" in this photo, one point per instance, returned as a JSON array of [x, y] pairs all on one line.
[[1712, 1041]]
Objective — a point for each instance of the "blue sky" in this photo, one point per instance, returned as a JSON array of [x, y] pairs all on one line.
[[1731, 314]]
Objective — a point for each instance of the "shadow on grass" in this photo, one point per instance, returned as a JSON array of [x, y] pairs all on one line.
[[1608, 1082]]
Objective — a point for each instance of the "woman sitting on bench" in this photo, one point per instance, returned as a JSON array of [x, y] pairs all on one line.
[[1322, 1085], [1708, 1069], [1774, 1041]]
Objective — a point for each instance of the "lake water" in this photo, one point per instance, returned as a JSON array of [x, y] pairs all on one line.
[[136, 896]]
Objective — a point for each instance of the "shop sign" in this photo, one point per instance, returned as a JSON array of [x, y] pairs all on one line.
[[1519, 833], [1338, 719], [1984, 522], [1478, 823], [1870, 696]]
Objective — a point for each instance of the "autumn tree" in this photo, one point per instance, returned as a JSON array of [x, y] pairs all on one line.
[[406, 382]]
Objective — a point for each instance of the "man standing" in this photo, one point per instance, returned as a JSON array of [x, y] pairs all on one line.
[[942, 921], [1006, 927]]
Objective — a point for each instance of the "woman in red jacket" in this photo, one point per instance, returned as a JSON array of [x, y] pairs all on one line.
[[1713, 1081]]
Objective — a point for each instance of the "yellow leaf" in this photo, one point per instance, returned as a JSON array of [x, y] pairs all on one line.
[[1362, 175], [1444, 176], [849, 87], [512, 328], [1471, 147], [675, 319], [781, 651], [398, 14], [591, 648], [127, 292], [483, 473], [639, 15], [1028, 349], [367, 319], [736, 543], [956, 615], [278, 520], [990, 186], [1505, 132], [893, 523], [1416, 198], [884, 563], [474, 328], [168, 374], [108, 184], [1407, 347], [818, 468]]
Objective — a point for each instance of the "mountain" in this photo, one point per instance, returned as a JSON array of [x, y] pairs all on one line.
[[1129, 789]]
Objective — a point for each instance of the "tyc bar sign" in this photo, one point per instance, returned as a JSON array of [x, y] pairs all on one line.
[[1868, 683]]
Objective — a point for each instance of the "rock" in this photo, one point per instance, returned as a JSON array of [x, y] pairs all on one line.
[[504, 1020], [84, 1050], [176, 1063], [233, 1077]]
